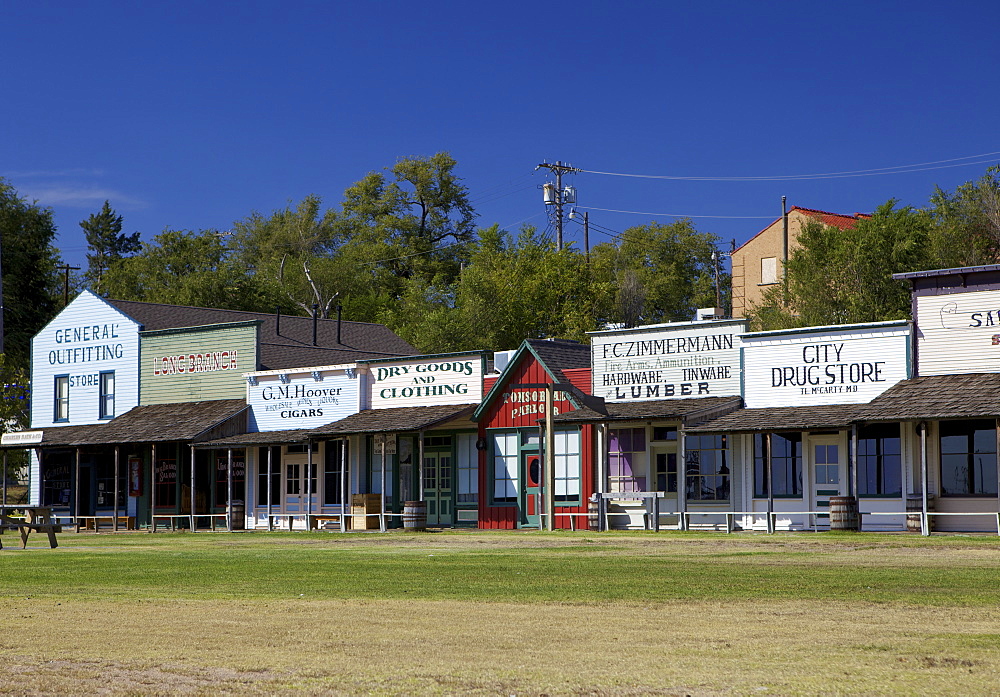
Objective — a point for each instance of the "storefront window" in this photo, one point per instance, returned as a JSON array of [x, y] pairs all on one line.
[[706, 468], [275, 476], [505, 456], [968, 458], [627, 459], [336, 456], [468, 469], [567, 466], [879, 461], [222, 478], [165, 480], [786, 464]]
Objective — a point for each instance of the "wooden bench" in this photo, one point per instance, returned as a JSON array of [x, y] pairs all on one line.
[[315, 520], [94, 522]]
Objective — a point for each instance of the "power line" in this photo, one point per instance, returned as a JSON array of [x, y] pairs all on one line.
[[878, 171], [679, 215]]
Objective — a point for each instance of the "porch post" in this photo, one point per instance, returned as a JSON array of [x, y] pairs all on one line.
[[114, 524], [852, 468], [193, 499], [420, 468], [343, 484], [76, 492], [5, 477], [309, 479], [770, 487], [270, 458], [681, 477], [925, 528], [229, 489], [550, 460], [152, 488], [381, 517]]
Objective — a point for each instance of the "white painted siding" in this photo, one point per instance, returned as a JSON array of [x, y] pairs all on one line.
[[426, 381], [304, 401], [668, 361], [87, 338], [958, 333], [827, 366]]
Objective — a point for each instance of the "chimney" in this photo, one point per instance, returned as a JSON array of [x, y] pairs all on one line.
[[315, 321], [277, 320], [340, 312]]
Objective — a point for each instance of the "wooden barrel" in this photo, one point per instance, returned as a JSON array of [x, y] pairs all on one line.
[[843, 513], [914, 511], [414, 515]]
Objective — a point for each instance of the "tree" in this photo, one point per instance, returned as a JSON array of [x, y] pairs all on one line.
[[968, 222], [299, 251], [845, 276], [30, 281], [655, 273], [106, 242], [418, 219], [181, 267]]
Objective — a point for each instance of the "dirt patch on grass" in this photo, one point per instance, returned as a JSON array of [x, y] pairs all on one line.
[[449, 647]]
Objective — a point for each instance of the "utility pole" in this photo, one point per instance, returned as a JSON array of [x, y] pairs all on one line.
[[555, 195], [67, 268]]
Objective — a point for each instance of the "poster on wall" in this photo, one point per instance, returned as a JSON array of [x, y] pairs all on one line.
[[669, 361], [135, 476]]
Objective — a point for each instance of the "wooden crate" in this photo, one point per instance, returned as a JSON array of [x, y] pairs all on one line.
[[362, 504]]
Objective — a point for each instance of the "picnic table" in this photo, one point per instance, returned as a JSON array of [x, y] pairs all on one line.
[[32, 519]]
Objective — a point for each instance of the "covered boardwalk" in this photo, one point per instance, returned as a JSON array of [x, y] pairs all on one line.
[[368, 453], [140, 469], [791, 462], [639, 447], [954, 420]]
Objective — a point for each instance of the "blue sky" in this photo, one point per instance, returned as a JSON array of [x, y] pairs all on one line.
[[191, 115]]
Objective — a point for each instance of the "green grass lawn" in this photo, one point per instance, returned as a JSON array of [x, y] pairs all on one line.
[[502, 613]]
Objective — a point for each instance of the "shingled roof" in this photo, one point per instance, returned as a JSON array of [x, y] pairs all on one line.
[[399, 419], [163, 423], [292, 347], [560, 354], [827, 416], [933, 397], [663, 409]]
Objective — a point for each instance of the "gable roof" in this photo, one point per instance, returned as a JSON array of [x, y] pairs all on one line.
[[292, 347], [841, 221], [554, 355]]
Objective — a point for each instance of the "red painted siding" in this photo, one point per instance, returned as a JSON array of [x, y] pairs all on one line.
[[522, 407], [580, 378]]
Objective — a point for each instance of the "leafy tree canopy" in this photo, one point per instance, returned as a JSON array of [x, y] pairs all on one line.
[[30, 280]]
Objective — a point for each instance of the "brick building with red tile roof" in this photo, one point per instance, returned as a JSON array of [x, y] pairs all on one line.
[[758, 264]]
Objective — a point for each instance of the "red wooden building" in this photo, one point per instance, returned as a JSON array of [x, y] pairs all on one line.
[[511, 420]]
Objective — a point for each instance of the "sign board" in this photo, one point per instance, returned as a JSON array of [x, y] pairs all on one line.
[[302, 397], [454, 378], [21, 437], [668, 361], [378, 444], [196, 364], [958, 324], [94, 348], [827, 365]]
